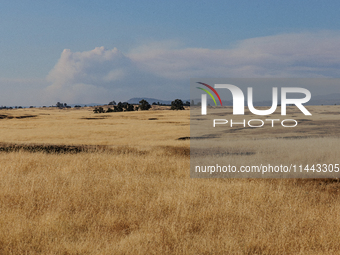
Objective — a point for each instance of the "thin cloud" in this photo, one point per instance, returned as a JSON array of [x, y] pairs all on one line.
[[286, 55]]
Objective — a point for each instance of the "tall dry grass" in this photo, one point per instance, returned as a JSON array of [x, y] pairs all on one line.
[[143, 202], [139, 199]]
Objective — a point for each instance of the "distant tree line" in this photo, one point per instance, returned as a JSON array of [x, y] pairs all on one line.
[[187, 103], [143, 105], [62, 105], [8, 108], [124, 107]]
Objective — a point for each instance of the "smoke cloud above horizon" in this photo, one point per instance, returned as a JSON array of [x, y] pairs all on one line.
[[163, 69]]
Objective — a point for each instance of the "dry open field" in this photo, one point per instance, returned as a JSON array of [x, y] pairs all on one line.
[[75, 182]]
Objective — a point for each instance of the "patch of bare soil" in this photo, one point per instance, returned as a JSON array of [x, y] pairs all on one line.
[[3, 116], [60, 148]]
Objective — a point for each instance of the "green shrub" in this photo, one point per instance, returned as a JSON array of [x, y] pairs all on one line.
[[177, 104], [144, 105], [98, 110]]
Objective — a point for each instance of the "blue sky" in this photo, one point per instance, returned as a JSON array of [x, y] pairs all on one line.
[[153, 48]]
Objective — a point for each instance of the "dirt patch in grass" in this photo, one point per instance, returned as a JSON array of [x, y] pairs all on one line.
[[3, 116], [48, 148], [184, 138], [330, 113], [222, 152], [176, 150], [99, 118], [60, 148], [295, 137], [208, 136]]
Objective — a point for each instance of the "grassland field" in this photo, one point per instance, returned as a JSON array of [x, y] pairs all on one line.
[[76, 182]]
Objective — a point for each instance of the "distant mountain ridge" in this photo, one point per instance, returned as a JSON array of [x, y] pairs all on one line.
[[136, 100]]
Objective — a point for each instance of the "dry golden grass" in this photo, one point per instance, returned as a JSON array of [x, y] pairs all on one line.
[[82, 126], [135, 196]]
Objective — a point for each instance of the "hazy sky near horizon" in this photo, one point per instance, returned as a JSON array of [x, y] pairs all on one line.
[[98, 51]]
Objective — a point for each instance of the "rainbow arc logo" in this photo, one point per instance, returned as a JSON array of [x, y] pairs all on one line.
[[209, 93]]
